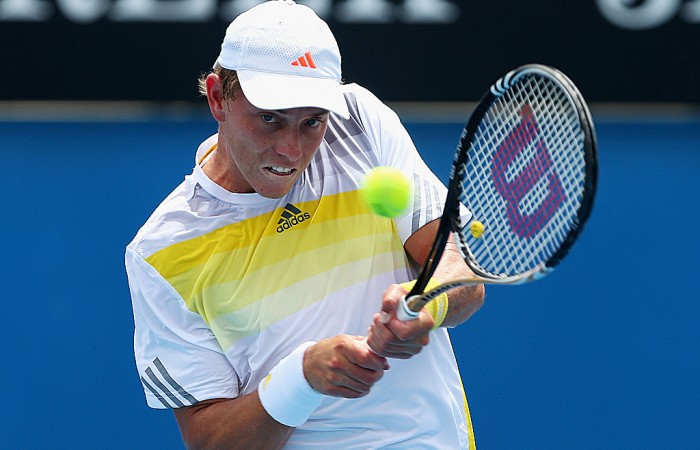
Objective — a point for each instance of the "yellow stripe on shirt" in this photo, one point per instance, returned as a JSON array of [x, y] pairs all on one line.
[[235, 267], [267, 310], [183, 256]]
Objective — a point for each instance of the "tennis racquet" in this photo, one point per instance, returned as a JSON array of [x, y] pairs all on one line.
[[526, 167]]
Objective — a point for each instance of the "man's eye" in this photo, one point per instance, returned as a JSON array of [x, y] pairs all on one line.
[[313, 122], [269, 118]]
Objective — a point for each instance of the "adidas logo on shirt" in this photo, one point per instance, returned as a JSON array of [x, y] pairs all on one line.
[[290, 217]]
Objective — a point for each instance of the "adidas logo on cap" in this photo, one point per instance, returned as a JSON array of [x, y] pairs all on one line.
[[291, 216], [306, 60]]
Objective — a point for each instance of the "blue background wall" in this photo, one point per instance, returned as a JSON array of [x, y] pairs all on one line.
[[603, 354]]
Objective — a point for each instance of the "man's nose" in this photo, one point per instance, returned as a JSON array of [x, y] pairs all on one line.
[[289, 144]]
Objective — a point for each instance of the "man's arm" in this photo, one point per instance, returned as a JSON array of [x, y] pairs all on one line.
[[240, 422], [341, 366], [464, 301], [390, 337]]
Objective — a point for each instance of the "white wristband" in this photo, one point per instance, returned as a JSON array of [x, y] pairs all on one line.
[[284, 392]]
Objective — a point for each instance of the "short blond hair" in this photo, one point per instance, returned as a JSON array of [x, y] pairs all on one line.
[[229, 81]]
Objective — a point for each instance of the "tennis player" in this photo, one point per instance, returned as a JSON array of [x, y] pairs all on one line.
[[257, 283]]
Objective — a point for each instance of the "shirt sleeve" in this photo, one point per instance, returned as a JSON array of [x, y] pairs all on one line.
[[178, 359]]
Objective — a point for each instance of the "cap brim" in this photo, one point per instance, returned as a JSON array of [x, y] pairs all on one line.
[[274, 91]]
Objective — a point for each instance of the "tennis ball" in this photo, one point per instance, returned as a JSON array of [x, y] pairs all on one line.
[[386, 191], [477, 228]]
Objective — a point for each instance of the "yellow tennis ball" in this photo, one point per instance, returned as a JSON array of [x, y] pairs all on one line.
[[477, 228], [386, 191]]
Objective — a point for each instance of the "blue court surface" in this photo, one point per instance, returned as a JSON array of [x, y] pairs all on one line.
[[603, 354]]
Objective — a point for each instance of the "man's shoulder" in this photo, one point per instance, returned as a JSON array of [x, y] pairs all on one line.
[[170, 220], [359, 95], [365, 107], [354, 88]]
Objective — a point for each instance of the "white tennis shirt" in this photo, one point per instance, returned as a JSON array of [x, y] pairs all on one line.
[[225, 285]]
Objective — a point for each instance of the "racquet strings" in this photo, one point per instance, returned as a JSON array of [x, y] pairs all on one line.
[[524, 178]]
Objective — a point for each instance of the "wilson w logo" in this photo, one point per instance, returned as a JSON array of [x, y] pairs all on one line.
[[519, 188]]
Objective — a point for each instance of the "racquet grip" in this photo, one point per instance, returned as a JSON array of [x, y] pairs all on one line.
[[405, 310]]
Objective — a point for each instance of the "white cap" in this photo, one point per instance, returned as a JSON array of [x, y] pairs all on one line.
[[285, 57]]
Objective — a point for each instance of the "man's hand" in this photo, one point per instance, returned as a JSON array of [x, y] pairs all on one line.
[[343, 366], [390, 337]]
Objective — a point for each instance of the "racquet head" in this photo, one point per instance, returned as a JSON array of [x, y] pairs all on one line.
[[526, 168]]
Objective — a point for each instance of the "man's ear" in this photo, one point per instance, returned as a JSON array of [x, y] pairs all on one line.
[[215, 97]]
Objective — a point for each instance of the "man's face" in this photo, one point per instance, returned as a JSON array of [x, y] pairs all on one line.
[[266, 151]]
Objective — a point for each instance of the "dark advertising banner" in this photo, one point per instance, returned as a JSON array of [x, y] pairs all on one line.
[[404, 50]]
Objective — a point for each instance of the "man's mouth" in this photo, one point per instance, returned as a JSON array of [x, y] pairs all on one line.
[[279, 170]]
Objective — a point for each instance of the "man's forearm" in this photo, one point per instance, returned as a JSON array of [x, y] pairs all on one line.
[[463, 301], [240, 423]]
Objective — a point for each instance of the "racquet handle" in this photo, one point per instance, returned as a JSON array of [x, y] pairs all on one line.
[[409, 308], [410, 305]]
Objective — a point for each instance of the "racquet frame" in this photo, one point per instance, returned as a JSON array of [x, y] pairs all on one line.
[[450, 223]]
